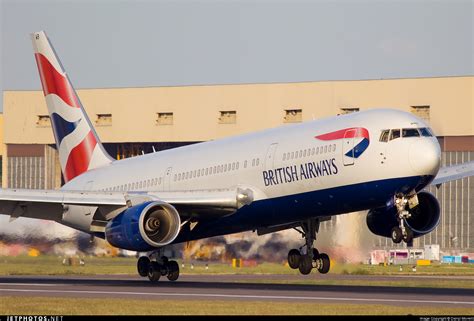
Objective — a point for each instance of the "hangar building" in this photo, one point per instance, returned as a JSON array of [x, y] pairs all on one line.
[[131, 121]]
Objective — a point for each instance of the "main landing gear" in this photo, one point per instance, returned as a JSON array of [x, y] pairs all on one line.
[[307, 257], [155, 265], [403, 232]]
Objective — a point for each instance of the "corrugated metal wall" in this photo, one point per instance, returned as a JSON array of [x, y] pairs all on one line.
[[456, 198], [26, 172], [37, 172]]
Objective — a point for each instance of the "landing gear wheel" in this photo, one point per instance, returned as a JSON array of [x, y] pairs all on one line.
[[154, 272], [173, 270], [408, 238], [142, 265], [294, 258], [306, 264], [396, 235], [323, 263]]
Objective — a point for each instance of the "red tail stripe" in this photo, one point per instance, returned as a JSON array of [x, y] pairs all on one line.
[[55, 83], [80, 157], [351, 133]]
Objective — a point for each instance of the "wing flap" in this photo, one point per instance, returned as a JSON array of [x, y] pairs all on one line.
[[62, 197]]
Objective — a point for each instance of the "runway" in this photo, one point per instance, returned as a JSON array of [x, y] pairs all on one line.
[[234, 287]]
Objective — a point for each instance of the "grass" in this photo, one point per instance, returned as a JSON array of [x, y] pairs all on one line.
[[11, 305], [52, 265]]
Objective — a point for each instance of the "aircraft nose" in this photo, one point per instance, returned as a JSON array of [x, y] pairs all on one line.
[[425, 156]]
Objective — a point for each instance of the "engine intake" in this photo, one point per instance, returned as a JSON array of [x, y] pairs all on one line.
[[144, 227], [424, 217]]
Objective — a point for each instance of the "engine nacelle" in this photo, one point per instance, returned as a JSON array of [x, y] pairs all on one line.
[[144, 227], [424, 217]]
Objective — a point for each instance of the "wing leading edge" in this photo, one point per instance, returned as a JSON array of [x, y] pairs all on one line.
[[454, 172]]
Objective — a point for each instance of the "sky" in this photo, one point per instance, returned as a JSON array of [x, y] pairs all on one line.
[[106, 44]]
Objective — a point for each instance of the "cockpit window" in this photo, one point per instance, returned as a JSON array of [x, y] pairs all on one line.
[[426, 132], [384, 135], [410, 132], [394, 134]]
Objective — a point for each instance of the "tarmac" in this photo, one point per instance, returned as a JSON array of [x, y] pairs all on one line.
[[240, 287]]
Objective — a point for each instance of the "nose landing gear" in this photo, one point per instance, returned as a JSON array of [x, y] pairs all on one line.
[[307, 257], [403, 232]]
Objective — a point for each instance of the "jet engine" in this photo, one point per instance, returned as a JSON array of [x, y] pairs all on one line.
[[144, 227], [423, 219]]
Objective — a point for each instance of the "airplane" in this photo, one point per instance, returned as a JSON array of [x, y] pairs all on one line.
[[289, 177]]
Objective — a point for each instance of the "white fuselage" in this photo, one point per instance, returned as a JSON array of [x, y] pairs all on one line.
[[267, 161]]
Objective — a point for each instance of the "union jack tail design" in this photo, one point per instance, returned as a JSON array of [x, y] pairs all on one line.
[[79, 147]]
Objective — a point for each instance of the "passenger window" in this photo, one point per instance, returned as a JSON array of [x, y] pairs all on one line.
[[292, 155], [384, 135], [304, 153], [334, 147], [245, 164], [312, 151], [237, 165], [410, 132], [233, 166], [207, 171], [258, 161], [394, 134]]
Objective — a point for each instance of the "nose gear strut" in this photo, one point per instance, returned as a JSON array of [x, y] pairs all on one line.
[[402, 231]]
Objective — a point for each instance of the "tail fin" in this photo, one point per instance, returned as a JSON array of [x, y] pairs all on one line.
[[79, 147]]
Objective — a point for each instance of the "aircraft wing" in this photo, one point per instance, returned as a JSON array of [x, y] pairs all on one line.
[[454, 172], [51, 204]]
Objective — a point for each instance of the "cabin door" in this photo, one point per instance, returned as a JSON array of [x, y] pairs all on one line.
[[348, 147]]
